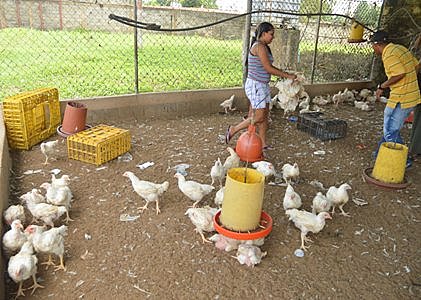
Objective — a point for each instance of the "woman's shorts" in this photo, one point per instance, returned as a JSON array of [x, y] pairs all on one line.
[[258, 93]]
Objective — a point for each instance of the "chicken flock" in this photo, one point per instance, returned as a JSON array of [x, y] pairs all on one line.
[[21, 245]]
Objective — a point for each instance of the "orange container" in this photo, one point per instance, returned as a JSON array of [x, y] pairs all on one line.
[[249, 146]]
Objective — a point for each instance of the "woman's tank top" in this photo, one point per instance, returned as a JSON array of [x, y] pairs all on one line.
[[256, 71]]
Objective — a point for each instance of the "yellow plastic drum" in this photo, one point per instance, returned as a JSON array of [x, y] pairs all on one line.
[[243, 199], [390, 163], [356, 33]]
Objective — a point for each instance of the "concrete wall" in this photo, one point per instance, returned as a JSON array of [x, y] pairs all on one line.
[[57, 14], [5, 165], [182, 104], [91, 14]]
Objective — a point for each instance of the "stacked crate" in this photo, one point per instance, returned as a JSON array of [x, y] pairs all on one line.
[[98, 144], [31, 117]]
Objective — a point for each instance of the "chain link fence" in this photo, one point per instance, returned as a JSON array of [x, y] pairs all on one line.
[[74, 46]]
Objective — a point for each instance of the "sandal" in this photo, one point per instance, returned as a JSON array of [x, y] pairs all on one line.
[[227, 135]]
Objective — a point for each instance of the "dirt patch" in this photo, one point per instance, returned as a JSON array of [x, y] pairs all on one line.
[[373, 254]]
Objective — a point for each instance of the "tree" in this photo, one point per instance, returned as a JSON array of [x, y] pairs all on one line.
[[312, 6], [159, 2], [367, 14], [199, 3]]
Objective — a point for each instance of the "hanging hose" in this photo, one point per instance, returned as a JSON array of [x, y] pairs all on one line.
[[156, 27]]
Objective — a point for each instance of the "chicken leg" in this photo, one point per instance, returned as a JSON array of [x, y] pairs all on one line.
[[61, 266], [303, 238], [344, 213], [20, 291], [46, 160], [49, 262], [144, 207], [157, 207], [204, 240], [68, 217], [35, 285]]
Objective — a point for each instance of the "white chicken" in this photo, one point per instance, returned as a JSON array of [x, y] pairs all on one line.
[[227, 244], [149, 191], [264, 167], [50, 241], [60, 182], [14, 238], [291, 199], [232, 161], [290, 172], [195, 191], [45, 212], [364, 93], [307, 222], [14, 212], [23, 266], [202, 219], [59, 195], [249, 255], [339, 197], [219, 196], [288, 95], [217, 172], [224, 243], [33, 196], [227, 104], [320, 203], [48, 149]]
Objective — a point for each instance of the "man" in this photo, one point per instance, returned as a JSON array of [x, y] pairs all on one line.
[[400, 67]]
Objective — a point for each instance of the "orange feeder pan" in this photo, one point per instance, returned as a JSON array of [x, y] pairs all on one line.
[[265, 221]]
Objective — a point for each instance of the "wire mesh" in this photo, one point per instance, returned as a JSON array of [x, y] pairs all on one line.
[[74, 46]]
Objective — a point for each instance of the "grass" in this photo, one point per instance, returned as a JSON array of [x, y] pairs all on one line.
[[86, 63]]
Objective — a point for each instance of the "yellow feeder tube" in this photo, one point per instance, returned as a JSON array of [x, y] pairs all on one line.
[[390, 163], [356, 33], [243, 199]]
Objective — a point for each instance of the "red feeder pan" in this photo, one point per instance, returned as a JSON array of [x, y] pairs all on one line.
[[265, 221], [410, 118]]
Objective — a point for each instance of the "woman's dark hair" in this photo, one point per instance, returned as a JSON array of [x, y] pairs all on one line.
[[262, 27]]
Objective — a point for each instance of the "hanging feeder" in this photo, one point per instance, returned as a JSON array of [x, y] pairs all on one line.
[[389, 169], [241, 216], [249, 145]]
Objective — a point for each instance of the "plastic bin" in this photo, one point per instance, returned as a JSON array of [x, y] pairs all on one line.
[[31, 117]]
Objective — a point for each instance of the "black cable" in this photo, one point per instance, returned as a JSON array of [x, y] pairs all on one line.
[[155, 27]]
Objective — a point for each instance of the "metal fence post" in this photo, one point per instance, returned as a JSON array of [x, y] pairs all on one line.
[[246, 41], [136, 71], [313, 66]]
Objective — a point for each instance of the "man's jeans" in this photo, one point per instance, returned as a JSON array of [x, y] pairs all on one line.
[[393, 121]]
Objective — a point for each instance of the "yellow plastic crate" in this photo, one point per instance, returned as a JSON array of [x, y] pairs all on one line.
[[31, 117], [98, 144]]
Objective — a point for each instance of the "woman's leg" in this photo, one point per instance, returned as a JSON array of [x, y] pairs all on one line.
[[263, 126]]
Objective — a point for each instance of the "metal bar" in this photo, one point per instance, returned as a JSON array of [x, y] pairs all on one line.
[[373, 58], [313, 66], [246, 41], [136, 58]]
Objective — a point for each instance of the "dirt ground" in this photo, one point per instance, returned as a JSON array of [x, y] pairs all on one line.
[[374, 254]]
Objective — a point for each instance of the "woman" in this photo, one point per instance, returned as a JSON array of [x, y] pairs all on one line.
[[257, 88]]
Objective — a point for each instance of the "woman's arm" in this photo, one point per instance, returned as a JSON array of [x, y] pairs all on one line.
[[261, 51]]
